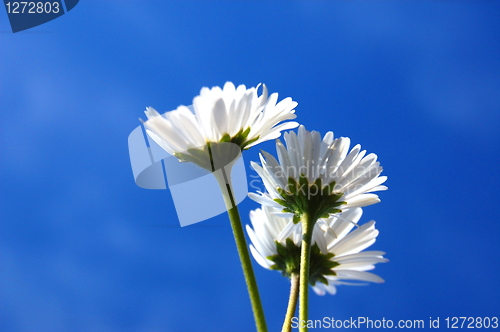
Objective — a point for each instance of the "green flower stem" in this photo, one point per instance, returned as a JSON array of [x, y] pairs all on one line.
[[292, 302], [305, 255], [241, 245]]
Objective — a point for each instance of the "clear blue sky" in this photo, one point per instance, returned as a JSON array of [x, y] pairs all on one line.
[[82, 248]]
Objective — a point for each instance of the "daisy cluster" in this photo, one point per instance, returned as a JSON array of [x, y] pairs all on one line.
[[313, 176]]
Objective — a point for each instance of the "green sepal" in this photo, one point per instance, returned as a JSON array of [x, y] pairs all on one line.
[[240, 139], [287, 261], [288, 258], [317, 200], [320, 266], [226, 138], [247, 143]]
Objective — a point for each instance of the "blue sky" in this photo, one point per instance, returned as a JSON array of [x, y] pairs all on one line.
[[82, 248]]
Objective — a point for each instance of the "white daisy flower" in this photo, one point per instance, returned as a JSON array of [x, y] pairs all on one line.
[[228, 115], [318, 176], [335, 260]]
